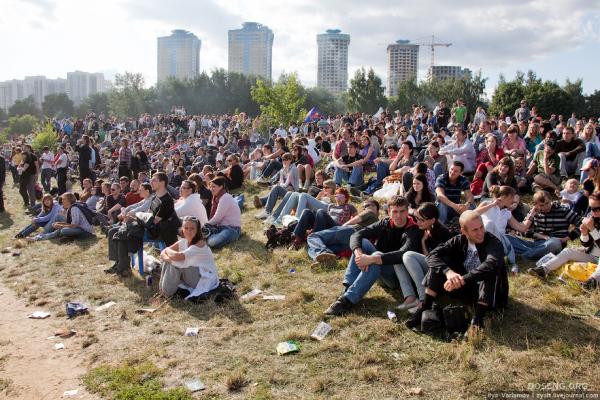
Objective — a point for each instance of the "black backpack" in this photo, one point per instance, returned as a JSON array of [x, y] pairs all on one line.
[[88, 214], [279, 236], [225, 291]]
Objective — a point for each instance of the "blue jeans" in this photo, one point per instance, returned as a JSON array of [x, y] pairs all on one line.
[[438, 169], [307, 202], [66, 232], [359, 282], [224, 235], [317, 221], [354, 178], [536, 249], [591, 150], [287, 204], [276, 193], [447, 213], [412, 271], [332, 240], [29, 229], [383, 170]]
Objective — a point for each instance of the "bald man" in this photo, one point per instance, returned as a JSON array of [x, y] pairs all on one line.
[[469, 267]]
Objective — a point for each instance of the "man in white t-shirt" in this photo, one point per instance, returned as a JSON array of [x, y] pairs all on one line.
[[47, 160], [281, 132]]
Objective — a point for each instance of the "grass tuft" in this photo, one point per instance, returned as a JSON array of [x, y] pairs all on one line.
[[236, 381]]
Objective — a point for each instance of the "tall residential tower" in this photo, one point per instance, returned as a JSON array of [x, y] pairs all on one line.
[[332, 72], [251, 50], [178, 55], [402, 64]]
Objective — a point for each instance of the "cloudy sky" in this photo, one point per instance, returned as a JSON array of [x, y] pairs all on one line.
[[558, 39]]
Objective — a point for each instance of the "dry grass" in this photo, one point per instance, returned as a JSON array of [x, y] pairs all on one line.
[[548, 334]]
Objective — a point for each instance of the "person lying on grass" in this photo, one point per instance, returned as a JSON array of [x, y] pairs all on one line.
[[467, 268], [188, 264]]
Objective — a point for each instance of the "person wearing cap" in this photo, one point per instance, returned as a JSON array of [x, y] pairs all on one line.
[[571, 151], [545, 168]]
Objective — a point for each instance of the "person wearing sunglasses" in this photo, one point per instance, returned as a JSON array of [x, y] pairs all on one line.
[[190, 203], [590, 239]]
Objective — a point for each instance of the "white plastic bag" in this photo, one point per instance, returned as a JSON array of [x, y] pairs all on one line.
[[388, 191]]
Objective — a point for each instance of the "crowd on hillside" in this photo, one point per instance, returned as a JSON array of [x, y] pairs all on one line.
[[429, 202]]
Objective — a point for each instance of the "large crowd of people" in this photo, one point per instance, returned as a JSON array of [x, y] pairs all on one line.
[[451, 185]]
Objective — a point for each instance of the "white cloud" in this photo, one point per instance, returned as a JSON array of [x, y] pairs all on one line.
[[121, 34]]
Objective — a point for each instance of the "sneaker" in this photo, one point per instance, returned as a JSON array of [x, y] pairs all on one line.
[[590, 284], [112, 270], [538, 272], [262, 215], [414, 322], [257, 202], [326, 258], [341, 306]]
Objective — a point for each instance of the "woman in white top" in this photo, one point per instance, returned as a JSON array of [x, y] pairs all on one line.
[[190, 203], [497, 215], [188, 264]]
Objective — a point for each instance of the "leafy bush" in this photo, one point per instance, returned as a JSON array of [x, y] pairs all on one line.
[[45, 136], [21, 125]]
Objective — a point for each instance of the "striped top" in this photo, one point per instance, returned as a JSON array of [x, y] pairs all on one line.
[[556, 222], [452, 191]]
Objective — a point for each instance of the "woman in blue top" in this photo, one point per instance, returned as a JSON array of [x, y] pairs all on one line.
[[50, 209]]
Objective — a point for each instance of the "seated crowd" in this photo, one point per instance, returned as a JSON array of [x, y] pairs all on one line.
[[455, 221]]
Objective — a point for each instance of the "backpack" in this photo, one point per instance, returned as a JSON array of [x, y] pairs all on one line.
[[87, 213], [279, 236], [225, 291], [456, 320]]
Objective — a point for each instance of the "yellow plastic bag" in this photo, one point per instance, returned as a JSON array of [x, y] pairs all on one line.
[[579, 271]]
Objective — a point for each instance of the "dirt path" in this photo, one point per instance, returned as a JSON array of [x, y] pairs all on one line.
[[28, 360]]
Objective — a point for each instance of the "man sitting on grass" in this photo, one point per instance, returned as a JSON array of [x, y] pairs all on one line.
[[466, 267], [393, 236]]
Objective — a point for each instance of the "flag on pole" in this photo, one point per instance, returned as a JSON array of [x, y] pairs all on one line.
[[312, 115]]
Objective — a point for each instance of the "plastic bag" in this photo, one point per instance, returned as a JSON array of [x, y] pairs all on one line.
[[388, 191], [580, 271]]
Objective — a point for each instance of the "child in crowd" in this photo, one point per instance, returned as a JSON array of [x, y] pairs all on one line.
[[570, 194]]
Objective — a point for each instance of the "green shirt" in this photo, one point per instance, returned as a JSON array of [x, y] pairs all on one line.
[[460, 113], [553, 162]]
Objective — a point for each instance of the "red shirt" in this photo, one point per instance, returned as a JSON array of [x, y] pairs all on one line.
[[132, 198]]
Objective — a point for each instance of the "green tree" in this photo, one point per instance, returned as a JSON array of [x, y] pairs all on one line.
[[21, 125], [57, 105], [45, 136], [23, 107], [592, 104], [283, 101], [326, 102], [97, 102], [366, 92], [128, 97]]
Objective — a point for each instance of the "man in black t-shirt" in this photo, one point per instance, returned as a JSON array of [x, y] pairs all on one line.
[[349, 167], [28, 171], [85, 156]]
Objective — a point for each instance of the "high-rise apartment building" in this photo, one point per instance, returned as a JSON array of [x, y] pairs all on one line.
[[81, 85], [251, 50], [402, 64], [332, 61], [443, 72], [178, 55]]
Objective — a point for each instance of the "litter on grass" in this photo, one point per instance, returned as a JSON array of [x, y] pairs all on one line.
[[105, 306], [38, 315], [194, 385], [277, 297], [392, 316], [322, 329], [192, 331], [288, 347], [75, 308], [70, 393], [251, 294], [59, 346]]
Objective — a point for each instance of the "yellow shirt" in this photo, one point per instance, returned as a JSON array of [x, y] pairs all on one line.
[[16, 159]]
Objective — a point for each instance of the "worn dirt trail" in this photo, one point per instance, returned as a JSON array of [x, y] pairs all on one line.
[[28, 360]]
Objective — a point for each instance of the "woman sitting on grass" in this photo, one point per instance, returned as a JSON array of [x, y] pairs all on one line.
[[74, 226], [188, 264], [50, 209]]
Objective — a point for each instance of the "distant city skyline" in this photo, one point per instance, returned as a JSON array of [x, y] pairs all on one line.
[[556, 42]]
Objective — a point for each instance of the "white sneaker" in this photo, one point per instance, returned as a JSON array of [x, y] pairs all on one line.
[[262, 215], [270, 220]]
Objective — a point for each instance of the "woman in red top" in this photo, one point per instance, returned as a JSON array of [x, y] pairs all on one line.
[[487, 159]]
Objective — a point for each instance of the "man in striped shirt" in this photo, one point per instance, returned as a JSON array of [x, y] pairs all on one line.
[[551, 223]]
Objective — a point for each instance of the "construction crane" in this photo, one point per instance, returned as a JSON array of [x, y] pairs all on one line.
[[432, 45]]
